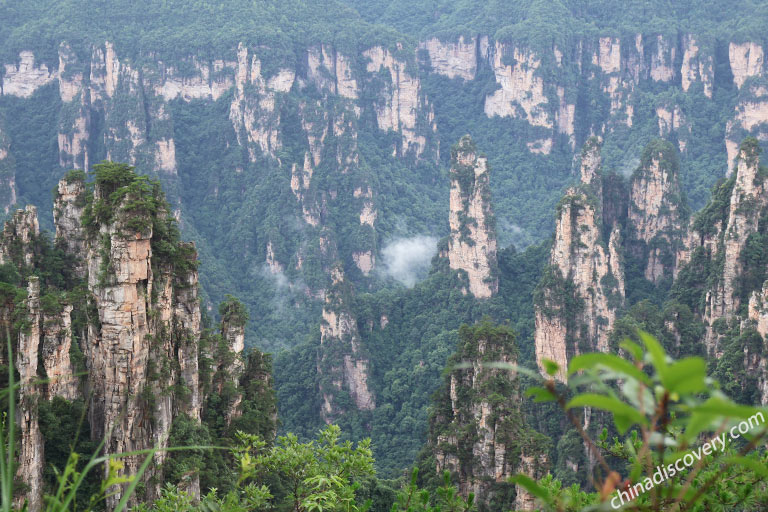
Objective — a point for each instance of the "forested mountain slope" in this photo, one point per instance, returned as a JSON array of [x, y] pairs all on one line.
[[288, 136], [316, 154]]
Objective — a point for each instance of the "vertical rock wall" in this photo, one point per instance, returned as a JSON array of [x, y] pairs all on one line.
[[342, 362], [657, 214], [472, 246], [576, 302]]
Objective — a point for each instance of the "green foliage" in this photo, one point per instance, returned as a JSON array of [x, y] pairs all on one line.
[[662, 409], [480, 376], [233, 312], [320, 475], [444, 499]]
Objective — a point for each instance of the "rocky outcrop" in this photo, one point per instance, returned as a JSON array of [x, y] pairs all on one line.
[[233, 332], [472, 246], [75, 118], [31, 457], [750, 117], [342, 364], [68, 206], [454, 59], [201, 79], [331, 72], [672, 121], [402, 106], [25, 76], [747, 201], [662, 60], [698, 65], [60, 372], [522, 88], [577, 300], [747, 60], [253, 111], [657, 213], [615, 84], [19, 234], [7, 173], [141, 340], [482, 441]]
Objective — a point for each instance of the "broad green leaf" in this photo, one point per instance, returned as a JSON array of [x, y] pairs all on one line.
[[658, 356], [638, 395], [633, 348], [508, 366], [532, 487], [540, 394], [722, 408], [597, 359], [624, 415], [687, 376]]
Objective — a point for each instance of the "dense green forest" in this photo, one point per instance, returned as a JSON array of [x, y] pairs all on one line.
[[297, 137]]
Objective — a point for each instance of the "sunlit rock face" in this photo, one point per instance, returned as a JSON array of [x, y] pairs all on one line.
[[657, 215], [472, 246], [582, 267]]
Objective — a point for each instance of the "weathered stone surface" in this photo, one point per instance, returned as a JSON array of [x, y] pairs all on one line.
[[74, 130], [56, 345], [453, 59], [68, 207], [696, 67], [747, 60], [748, 199], [750, 116], [253, 112], [521, 87], [662, 60], [342, 363], [656, 213], [403, 102], [31, 461], [25, 76], [582, 264], [472, 247], [21, 230], [7, 173]]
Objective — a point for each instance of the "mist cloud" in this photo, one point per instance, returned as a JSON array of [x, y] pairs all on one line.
[[407, 259]]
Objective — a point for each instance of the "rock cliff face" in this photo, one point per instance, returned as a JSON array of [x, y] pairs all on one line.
[[141, 342], [657, 215], [455, 59], [68, 206], [117, 106], [18, 236], [7, 172], [31, 446], [747, 202], [342, 364], [483, 442], [472, 246], [577, 300], [522, 89], [402, 104]]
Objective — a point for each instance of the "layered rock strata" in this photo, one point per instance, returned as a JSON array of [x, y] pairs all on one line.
[[472, 244], [657, 215], [141, 344], [577, 300], [343, 366]]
